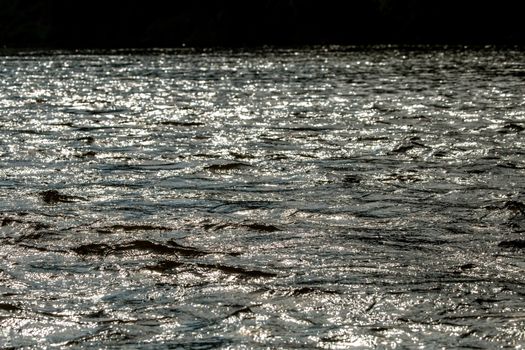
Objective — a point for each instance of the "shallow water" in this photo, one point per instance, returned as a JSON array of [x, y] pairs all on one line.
[[314, 198]]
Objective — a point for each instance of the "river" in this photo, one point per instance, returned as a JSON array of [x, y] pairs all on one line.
[[309, 198]]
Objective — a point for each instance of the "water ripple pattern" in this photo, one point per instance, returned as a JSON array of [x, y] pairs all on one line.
[[325, 198]]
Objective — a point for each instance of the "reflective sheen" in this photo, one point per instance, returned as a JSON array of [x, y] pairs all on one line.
[[325, 198]]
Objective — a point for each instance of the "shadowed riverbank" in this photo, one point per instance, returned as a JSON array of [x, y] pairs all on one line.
[[234, 23]]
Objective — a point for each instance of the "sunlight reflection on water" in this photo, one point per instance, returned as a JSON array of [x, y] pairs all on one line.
[[311, 198]]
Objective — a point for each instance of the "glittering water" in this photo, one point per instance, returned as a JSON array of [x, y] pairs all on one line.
[[313, 198]]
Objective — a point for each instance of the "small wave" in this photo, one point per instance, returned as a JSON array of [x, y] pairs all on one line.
[[87, 111], [54, 197], [170, 247], [225, 167], [181, 123], [249, 226], [513, 244]]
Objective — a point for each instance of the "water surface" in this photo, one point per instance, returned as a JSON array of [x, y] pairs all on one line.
[[314, 198]]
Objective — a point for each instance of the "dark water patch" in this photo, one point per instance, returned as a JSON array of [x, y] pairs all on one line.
[[9, 307], [512, 244], [207, 155], [311, 290], [277, 157], [161, 166], [238, 155], [467, 266], [305, 128], [416, 117], [66, 124], [372, 138], [202, 137], [181, 123], [37, 235], [97, 314], [401, 178], [516, 73], [81, 111], [188, 251], [225, 167], [149, 246], [9, 220], [93, 249], [33, 132], [511, 128], [515, 206], [240, 271], [251, 226], [427, 241], [171, 248], [147, 168], [261, 227], [405, 147], [509, 165], [99, 128], [131, 228], [170, 266], [212, 343], [88, 154], [88, 140], [165, 266], [351, 180], [121, 184], [22, 228], [486, 300], [479, 169], [242, 311], [386, 108], [53, 197], [440, 153]]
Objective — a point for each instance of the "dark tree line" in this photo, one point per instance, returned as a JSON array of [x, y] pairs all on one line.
[[117, 23]]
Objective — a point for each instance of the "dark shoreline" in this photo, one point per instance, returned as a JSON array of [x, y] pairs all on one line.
[[235, 23], [52, 51]]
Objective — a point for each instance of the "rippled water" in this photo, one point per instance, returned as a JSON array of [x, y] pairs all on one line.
[[312, 198]]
